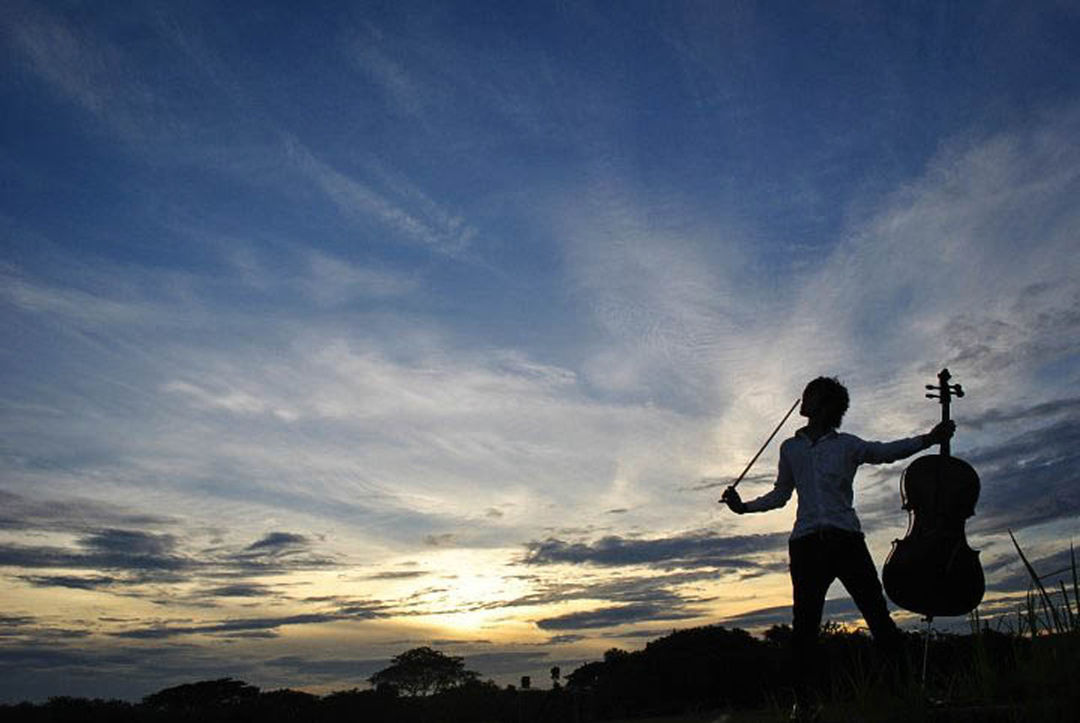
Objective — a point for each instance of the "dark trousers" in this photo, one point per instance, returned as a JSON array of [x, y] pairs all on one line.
[[816, 560]]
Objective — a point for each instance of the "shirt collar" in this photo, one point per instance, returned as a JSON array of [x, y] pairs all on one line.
[[801, 432]]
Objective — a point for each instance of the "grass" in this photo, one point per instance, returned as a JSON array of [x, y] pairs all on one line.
[[758, 716]]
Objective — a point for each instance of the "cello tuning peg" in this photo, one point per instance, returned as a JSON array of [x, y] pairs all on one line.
[[958, 390], [930, 386], [932, 396]]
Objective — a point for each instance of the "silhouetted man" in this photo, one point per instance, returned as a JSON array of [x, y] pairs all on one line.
[[827, 541]]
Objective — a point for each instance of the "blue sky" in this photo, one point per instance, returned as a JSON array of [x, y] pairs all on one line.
[[340, 328]]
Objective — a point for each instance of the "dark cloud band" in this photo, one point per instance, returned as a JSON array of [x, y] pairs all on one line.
[[698, 549]]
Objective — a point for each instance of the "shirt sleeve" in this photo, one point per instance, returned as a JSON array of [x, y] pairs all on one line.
[[881, 452], [781, 491]]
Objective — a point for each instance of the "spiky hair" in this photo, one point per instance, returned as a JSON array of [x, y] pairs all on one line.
[[835, 395]]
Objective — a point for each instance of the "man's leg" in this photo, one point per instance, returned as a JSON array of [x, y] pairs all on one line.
[[857, 572], [811, 575]]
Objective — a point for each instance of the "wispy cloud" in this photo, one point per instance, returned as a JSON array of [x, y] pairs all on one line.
[[137, 562], [333, 282], [120, 89], [1027, 414], [87, 308], [836, 609], [665, 308], [331, 669], [241, 590], [79, 68], [74, 582], [430, 227], [163, 564], [226, 628], [1044, 459], [695, 549], [607, 617], [276, 543], [234, 135], [74, 514]]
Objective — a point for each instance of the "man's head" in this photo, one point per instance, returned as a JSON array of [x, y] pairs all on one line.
[[825, 398]]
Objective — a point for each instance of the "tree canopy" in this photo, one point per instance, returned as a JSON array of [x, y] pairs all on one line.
[[223, 691], [423, 671]]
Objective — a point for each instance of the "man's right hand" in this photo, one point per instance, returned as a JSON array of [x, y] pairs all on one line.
[[731, 497]]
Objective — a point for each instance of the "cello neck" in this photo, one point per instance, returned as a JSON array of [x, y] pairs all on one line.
[[945, 393], [945, 449]]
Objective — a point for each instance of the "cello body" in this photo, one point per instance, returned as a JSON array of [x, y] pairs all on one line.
[[932, 570]]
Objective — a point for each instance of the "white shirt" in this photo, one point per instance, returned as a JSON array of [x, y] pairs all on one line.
[[824, 474]]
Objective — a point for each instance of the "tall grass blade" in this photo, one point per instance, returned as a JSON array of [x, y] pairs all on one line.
[[1068, 606], [1033, 614], [1076, 586], [1047, 604]]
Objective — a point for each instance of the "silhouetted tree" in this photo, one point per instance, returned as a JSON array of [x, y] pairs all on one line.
[[423, 671], [614, 656], [585, 676], [202, 695], [778, 636], [698, 668], [61, 709], [361, 705], [285, 704]]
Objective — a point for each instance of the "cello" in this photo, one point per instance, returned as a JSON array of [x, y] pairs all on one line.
[[932, 570]]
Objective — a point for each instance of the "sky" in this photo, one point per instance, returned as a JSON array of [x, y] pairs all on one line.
[[336, 329]]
